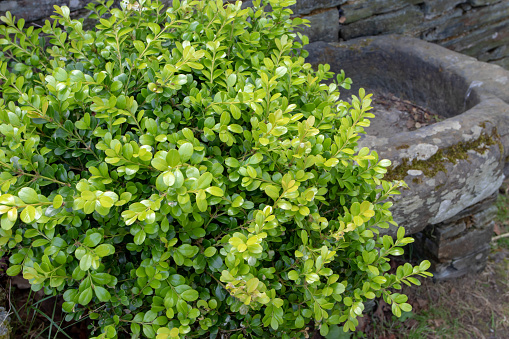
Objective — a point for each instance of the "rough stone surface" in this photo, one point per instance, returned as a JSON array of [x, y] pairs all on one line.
[[469, 264], [4, 324], [401, 21], [462, 244], [356, 10], [31, 10], [308, 6], [323, 25], [476, 27]]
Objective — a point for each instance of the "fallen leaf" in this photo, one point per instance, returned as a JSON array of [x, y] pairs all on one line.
[[423, 303], [496, 229]]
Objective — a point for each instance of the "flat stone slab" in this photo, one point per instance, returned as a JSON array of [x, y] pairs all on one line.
[[452, 164]]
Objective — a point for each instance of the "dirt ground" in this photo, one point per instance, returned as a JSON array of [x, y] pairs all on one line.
[[470, 307], [475, 306], [394, 115]]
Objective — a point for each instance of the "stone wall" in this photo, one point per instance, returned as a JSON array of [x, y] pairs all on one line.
[[478, 28], [34, 10]]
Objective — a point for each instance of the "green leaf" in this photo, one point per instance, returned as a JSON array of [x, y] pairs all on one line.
[[280, 71], [28, 195], [232, 162], [272, 191], [201, 201], [139, 238], [190, 295], [140, 46], [186, 151], [85, 296], [252, 285], [93, 239], [28, 214], [57, 201], [210, 251], [116, 85], [13, 270], [86, 262], [251, 172], [102, 294], [204, 180], [7, 224], [401, 233], [159, 164], [104, 250], [293, 275], [216, 191], [60, 74], [173, 158], [235, 128], [187, 250]]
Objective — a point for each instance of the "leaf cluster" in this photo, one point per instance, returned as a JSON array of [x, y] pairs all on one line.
[[183, 172]]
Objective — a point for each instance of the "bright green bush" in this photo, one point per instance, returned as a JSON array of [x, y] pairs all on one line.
[[183, 172]]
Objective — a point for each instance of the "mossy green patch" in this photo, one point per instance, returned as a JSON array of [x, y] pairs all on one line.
[[437, 162]]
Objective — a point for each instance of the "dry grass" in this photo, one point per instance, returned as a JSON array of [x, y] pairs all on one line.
[[476, 306]]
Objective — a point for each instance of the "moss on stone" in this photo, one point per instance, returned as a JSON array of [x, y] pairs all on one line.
[[417, 180], [437, 162], [402, 147]]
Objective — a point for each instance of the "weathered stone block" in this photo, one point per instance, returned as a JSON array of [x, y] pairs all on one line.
[[35, 10], [324, 26], [303, 7], [476, 3], [486, 41], [440, 7], [483, 218], [467, 242], [443, 232], [471, 263], [480, 207], [496, 53], [356, 10], [503, 63], [470, 21], [403, 21]]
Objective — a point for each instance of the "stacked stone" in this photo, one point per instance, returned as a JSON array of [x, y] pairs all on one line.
[[460, 245], [31, 10], [478, 28]]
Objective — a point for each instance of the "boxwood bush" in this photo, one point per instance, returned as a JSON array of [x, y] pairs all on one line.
[[183, 172]]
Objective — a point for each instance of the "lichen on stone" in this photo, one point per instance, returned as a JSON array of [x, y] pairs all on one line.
[[436, 163], [5, 328]]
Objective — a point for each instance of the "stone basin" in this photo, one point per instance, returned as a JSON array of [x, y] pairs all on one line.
[[453, 167]]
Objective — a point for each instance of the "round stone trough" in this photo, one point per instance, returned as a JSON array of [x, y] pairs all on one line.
[[453, 167]]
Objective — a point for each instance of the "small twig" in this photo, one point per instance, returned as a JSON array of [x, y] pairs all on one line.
[[505, 235]]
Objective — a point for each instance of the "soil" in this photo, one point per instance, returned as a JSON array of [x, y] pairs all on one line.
[[394, 115], [30, 312], [475, 306]]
